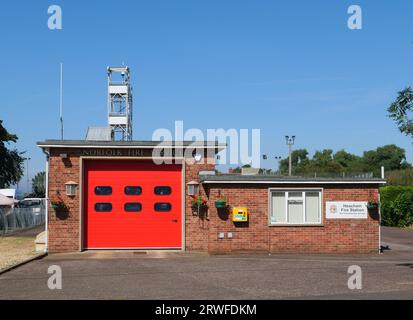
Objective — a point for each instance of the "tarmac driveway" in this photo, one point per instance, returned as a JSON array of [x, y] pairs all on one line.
[[398, 240], [166, 275]]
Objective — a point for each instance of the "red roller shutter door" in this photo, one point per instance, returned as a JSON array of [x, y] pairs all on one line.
[[132, 204]]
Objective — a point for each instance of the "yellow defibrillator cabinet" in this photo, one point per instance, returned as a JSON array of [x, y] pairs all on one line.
[[239, 214]]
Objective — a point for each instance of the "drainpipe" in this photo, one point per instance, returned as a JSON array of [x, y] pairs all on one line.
[[47, 153], [379, 208]]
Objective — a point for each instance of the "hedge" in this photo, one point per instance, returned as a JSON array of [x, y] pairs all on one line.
[[397, 206]]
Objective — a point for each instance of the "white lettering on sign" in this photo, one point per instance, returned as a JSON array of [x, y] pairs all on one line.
[[346, 210], [113, 153]]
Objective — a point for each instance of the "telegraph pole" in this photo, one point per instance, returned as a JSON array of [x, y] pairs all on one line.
[[290, 143]]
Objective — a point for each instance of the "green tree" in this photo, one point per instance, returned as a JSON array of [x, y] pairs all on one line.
[[299, 161], [39, 188], [323, 162], [11, 161], [349, 162], [391, 157], [399, 111]]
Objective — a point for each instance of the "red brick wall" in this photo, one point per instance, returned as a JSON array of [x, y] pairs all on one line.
[[334, 236], [201, 233], [196, 227], [63, 229]]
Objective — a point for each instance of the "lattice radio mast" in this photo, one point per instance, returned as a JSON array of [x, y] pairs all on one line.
[[120, 103]]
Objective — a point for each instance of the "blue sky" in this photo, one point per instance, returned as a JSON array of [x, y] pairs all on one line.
[[285, 67]]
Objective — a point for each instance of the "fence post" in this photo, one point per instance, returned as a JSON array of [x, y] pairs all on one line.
[[2, 216]]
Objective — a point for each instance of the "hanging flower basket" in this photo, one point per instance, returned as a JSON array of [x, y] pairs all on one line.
[[59, 206], [199, 204], [220, 204], [372, 205], [199, 207]]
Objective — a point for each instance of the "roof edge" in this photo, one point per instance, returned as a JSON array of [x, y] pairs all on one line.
[[280, 180], [127, 144]]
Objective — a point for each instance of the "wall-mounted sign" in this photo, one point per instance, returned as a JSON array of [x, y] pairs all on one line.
[[107, 152], [126, 152], [346, 210]]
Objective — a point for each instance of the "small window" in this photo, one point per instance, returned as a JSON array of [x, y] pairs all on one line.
[[133, 191], [103, 207], [295, 207], [163, 206], [163, 191], [103, 191], [133, 207]]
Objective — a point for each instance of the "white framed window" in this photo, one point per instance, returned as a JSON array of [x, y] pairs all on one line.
[[295, 207]]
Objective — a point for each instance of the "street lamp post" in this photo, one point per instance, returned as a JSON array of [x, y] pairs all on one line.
[[290, 143]]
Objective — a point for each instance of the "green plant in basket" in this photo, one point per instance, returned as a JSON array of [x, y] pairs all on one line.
[[221, 203]]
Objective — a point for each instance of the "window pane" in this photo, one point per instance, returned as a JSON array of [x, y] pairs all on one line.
[[295, 194], [103, 207], [133, 191], [278, 207], [133, 207], [103, 191], [312, 210], [163, 191], [163, 206], [295, 211]]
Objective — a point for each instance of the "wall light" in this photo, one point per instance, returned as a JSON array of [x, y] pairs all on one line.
[[71, 188], [193, 188]]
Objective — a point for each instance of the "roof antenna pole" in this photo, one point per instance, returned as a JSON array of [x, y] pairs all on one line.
[[61, 100]]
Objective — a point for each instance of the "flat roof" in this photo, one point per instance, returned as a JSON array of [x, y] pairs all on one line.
[[269, 179], [128, 144]]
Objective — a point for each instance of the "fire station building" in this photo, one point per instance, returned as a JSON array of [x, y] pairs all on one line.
[[113, 195]]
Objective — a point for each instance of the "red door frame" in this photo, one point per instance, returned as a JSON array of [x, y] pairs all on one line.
[[83, 189]]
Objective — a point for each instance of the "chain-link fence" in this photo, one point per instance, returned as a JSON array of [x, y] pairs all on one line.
[[15, 219]]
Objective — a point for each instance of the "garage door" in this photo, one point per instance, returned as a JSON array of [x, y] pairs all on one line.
[[132, 204]]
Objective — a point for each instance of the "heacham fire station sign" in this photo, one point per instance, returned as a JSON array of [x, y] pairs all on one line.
[[346, 210]]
